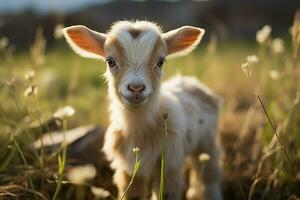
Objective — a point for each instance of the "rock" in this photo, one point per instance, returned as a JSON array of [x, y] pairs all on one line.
[[84, 143], [84, 147]]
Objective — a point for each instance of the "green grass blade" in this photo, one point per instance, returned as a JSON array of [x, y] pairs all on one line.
[[163, 158]]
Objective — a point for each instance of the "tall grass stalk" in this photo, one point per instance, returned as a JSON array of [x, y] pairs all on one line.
[[247, 70], [163, 158], [12, 91], [277, 136], [135, 170], [36, 114], [38, 117], [62, 159], [7, 160], [26, 165]]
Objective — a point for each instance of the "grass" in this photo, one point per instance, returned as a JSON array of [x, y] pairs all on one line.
[[135, 170], [163, 158], [255, 167], [62, 159]]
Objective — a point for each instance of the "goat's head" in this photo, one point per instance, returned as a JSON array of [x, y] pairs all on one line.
[[135, 53]]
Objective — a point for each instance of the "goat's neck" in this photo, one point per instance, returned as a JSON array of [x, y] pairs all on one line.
[[134, 120]]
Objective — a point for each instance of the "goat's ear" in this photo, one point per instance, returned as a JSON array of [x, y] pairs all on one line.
[[85, 42], [183, 40]]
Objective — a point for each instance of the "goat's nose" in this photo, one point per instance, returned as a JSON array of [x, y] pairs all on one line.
[[136, 88]]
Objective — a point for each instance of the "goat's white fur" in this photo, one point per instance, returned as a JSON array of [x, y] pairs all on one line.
[[137, 51], [192, 109]]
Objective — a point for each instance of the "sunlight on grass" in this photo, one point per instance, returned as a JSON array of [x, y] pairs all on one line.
[[135, 170]]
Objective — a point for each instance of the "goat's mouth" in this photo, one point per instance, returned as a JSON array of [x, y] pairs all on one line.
[[134, 101]]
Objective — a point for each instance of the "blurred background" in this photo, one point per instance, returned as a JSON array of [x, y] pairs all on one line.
[[250, 57], [228, 19]]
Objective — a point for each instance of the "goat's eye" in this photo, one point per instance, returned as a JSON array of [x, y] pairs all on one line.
[[111, 62], [161, 62]]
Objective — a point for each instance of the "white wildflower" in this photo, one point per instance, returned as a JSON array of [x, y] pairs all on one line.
[[252, 59], [263, 34], [58, 31], [66, 111], [81, 174], [100, 193], [274, 74], [4, 42], [29, 75], [135, 150], [247, 69], [30, 90], [277, 45], [204, 157]]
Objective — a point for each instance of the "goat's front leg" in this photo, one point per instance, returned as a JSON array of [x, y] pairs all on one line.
[[211, 176], [138, 189], [209, 172], [173, 184]]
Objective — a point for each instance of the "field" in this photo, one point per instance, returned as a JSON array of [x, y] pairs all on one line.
[[259, 121]]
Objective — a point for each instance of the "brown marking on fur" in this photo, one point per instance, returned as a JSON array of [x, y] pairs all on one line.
[[119, 141], [157, 47], [112, 42], [116, 81], [120, 58], [153, 74], [135, 33]]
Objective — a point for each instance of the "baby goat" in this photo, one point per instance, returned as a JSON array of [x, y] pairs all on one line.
[[135, 53]]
